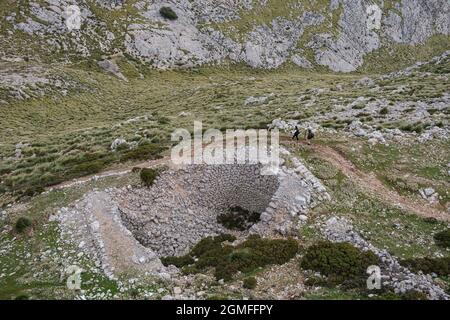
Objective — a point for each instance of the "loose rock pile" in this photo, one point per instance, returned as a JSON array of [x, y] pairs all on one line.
[[429, 194]]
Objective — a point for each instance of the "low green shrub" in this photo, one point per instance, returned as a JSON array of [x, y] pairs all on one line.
[[384, 110], [440, 266], [358, 106], [431, 220], [413, 127], [408, 295], [237, 218], [226, 260], [32, 191], [177, 261], [143, 152], [122, 147], [79, 158], [208, 244], [148, 176], [250, 283], [443, 238], [136, 169], [168, 13], [22, 224], [87, 168], [342, 263]]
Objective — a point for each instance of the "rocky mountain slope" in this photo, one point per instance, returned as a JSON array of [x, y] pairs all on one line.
[[336, 34]]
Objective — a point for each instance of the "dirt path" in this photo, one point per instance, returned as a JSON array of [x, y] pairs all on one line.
[[110, 173], [114, 172], [122, 170], [370, 183]]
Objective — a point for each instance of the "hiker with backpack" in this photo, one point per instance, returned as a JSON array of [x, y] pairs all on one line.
[[296, 133], [309, 135]]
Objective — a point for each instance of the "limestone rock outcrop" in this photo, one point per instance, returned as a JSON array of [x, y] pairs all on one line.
[[259, 33]]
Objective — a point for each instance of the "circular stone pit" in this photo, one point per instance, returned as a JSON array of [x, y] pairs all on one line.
[[129, 228], [182, 206]]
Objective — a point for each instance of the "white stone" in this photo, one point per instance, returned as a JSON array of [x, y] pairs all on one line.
[[177, 290]]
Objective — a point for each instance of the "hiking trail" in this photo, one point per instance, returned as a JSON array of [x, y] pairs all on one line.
[[368, 182]]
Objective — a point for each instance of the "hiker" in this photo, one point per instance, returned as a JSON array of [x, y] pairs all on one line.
[[309, 135], [296, 133]]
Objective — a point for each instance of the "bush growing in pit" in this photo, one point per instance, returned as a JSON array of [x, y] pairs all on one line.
[[168, 13], [237, 218], [22, 224], [178, 261]]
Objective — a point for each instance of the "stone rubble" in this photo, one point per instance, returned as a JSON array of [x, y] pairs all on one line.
[[257, 100], [429, 194], [111, 66], [118, 142]]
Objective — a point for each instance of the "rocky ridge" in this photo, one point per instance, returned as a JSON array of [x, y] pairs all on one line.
[[207, 31]]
